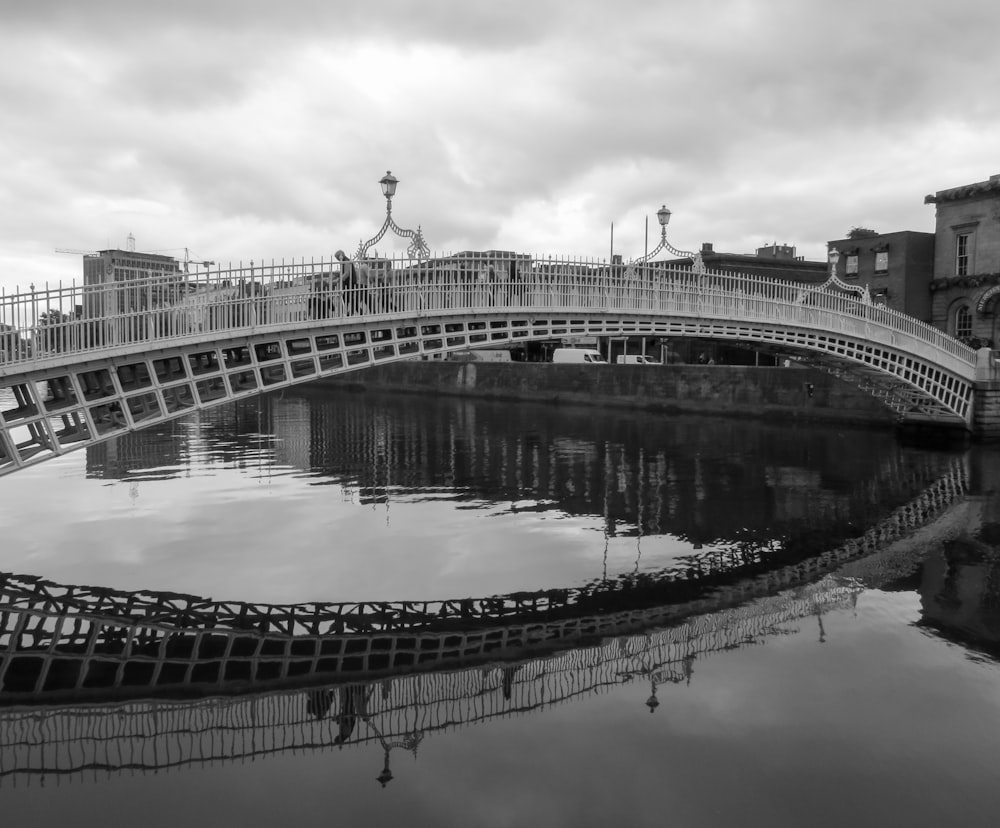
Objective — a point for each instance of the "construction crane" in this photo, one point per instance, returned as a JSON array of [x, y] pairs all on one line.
[[79, 252], [189, 261]]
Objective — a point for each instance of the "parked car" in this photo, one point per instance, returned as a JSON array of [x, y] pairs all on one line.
[[578, 355], [635, 359]]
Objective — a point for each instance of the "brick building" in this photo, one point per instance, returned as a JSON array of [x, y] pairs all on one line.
[[897, 268]]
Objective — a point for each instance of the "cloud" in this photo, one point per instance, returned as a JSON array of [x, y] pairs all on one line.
[[249, 129]]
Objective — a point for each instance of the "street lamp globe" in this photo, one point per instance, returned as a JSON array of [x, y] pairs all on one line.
[[388, 182], [663, 216]]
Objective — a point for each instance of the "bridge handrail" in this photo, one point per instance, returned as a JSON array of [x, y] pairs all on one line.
[[57, 322]]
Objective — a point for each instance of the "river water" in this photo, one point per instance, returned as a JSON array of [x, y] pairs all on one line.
[[795, 625]]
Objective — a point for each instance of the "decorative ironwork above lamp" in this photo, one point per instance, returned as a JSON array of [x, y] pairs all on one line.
[[834, 282], [417, 248], [663, 216]]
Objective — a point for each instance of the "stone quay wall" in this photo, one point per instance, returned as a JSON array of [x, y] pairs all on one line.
[[986, 411], [794, 393]]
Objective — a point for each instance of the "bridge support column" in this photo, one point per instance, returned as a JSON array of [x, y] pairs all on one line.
[[986, 397], [986, 411]]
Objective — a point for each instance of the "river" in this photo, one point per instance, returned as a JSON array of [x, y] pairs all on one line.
[[782, 624]]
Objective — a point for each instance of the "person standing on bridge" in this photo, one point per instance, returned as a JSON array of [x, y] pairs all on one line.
[[355, 293]]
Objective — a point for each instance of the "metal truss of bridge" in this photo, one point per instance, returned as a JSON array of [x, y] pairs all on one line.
[[81, 364], [94, 679]]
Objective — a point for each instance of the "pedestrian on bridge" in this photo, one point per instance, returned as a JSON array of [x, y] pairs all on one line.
[[354, 281]]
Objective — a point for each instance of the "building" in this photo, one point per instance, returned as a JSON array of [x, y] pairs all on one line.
[[135, 282], [120, 285], [778, 261], [897, 268], [966, 283]]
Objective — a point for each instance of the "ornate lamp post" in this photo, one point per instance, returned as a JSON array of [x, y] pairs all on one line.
[[418, 248], [663, 216], [833, 281], [833, 258], [388, 183]]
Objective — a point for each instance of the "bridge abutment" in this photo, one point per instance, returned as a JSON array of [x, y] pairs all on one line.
[[986, 411]]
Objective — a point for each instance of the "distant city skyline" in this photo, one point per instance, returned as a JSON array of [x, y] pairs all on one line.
[[243, 130]]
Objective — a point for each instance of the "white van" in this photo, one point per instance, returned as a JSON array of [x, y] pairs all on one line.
[[634, 359], [480, 355], [578, 355]]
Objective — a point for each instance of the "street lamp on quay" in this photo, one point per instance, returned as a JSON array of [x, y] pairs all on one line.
[[663, 217], [418, 248]]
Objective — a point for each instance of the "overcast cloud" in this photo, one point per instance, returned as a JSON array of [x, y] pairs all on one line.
[[244, 129]]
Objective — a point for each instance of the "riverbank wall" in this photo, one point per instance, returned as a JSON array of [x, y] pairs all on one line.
[[793, 393]]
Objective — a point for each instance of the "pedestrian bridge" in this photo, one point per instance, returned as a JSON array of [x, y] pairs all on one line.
[[80, 364]]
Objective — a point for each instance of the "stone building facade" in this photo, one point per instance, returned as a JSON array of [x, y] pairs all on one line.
[[966, 285]]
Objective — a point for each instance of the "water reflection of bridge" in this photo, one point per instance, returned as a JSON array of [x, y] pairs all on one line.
[[270, 679], [699, 480]]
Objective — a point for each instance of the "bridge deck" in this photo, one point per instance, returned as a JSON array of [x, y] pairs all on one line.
[[144, 352]]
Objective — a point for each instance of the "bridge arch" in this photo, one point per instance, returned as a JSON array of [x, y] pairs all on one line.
[[245, 331]]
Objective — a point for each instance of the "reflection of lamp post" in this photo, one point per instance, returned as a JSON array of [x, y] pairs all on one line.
[[418, 248], [652, 702], [409, 741], [663, 216], [385, 777]]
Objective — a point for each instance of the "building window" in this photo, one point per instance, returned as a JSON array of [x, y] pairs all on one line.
[[881, 261], [962, 254], [963, 323], [852, 264]]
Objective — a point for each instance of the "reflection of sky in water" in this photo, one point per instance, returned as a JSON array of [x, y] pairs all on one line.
[[880, 723], [327, 499], [231, 535]]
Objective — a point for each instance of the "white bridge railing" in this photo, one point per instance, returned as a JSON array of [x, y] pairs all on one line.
[[45, 326]]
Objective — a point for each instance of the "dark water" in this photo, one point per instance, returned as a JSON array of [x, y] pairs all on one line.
[[744, 623]]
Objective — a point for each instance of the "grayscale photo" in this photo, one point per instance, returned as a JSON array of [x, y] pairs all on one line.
[[499, 414]]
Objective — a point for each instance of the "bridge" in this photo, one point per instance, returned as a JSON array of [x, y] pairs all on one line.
[[84, 362], [152, 689]]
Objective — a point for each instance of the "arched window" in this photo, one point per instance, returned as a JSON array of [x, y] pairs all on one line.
[[963, 322]]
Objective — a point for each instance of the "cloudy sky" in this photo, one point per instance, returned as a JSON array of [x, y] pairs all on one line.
[[245, 129]]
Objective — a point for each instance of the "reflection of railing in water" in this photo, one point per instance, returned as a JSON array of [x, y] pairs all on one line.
[[79, 642], [396, 711], [99, 739]]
